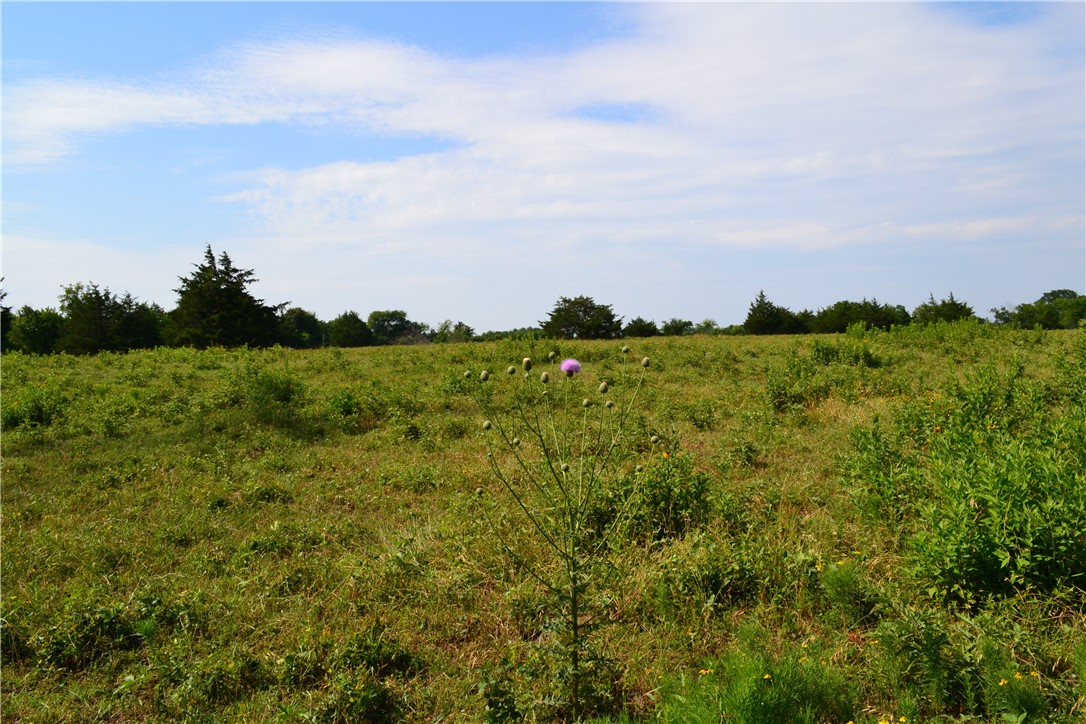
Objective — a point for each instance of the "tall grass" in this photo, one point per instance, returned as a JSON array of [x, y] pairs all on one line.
[[861, 527]]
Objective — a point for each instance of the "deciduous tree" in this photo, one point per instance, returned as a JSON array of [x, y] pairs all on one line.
[[348, 330]]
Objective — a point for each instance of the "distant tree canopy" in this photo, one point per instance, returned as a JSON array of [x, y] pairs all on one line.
[[765, 317], [6, 319], [675, 327], [638, 327], [96, 320], [1057, 309], [301, 329], [393, 327], [447, 331], [348, 330], [582, 318], [945, 310], [215, 308], [842, 315]]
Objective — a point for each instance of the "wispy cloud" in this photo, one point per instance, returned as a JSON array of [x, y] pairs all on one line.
[[806, 126]]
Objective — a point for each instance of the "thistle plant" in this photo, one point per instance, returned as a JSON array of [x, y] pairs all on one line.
[[555, 442]]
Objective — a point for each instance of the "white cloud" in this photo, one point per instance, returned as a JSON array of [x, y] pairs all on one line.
[[779, 126]]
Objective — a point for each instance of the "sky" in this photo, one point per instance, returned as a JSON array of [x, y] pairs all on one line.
[[475, 162]]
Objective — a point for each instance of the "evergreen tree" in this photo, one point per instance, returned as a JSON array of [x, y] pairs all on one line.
[[945, 310], [582, 318], [765, 317], [842, 315], [6, 318], [36, 331], [215, 308], [639, 327]]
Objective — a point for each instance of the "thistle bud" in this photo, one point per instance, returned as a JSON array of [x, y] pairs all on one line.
[[467, 374], [638, 469], [644, 361], [487, 425], [512, 370], [516, 442], [604, 388], [625, 349], [654, 439], [484, 375], [544, 378], [565, 467], [527, 364], [586, 403], [609, 404], [551, 356], [479, 492]]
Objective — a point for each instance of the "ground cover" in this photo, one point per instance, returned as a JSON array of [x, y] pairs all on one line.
[[876, 526]]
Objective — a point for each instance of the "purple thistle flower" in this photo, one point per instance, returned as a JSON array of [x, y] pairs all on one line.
[[570, 367]]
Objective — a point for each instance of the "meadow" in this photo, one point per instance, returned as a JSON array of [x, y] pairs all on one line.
[[867, 527]]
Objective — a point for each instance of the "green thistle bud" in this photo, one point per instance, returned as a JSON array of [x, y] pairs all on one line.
[[527, 364], [638, 469], [516, 442], [487, 425], [625, 350], [565, 467], [609, 404], [479, 492], [484, 375], [644, 361], [544, 378], [467, 374], [654, 439], [586, 403], [604, 388], [551, 356], [512, 370]]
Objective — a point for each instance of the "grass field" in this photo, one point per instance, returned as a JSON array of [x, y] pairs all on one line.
[[880, 526]]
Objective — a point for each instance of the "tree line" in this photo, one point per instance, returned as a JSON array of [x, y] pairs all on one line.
[[215, 309]]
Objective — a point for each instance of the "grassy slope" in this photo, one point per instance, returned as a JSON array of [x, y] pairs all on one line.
[[286, 534]]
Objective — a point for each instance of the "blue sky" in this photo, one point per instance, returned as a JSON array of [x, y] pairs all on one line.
[[475, 162]]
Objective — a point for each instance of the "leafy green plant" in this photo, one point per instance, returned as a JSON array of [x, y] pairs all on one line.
[[553, 453]]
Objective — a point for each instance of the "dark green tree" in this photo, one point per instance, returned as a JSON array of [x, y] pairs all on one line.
[[96, 320], [676, 327], [36, 331], [301, 329], [945, 310], [391, 326], [215, 308], [140, 325], [90, 319], [582, 318], [1057, 309], [449, 332], [638, 327], [6, 318], [840, 316], [765, 317], [348, 330]]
